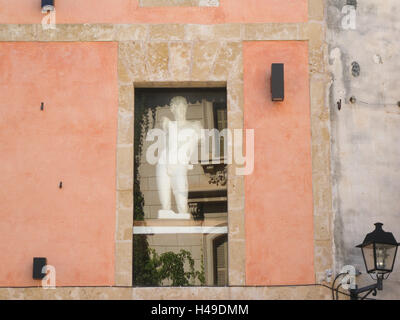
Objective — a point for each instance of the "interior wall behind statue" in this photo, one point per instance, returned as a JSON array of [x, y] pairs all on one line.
[[364, 61]]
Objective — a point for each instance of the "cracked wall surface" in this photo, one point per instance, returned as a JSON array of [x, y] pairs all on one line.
[[364, 64]]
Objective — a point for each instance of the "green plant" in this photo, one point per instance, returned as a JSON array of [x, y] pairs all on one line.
[[171, 266], [140, 129], [202, 277], [144, 269]]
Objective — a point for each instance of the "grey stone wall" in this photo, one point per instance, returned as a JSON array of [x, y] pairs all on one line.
[[364, 63]]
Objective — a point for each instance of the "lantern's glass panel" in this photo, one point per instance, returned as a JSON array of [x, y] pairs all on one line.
[[385, 254], [368, 252]]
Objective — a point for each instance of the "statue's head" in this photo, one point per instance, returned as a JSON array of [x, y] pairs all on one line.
[[179, 107]]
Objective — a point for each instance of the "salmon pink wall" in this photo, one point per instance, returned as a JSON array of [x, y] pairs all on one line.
[[128, 11], [72, 140], [278, 195]]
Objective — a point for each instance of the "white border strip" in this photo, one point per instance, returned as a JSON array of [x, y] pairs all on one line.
[[169, 230]]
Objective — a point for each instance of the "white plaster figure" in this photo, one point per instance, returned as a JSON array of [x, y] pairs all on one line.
[[181, 141]]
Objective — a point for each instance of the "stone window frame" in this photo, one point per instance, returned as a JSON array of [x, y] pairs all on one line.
[[125, 156]]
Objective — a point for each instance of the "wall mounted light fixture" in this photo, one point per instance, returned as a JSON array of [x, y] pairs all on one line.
[[277, 82], [38, 264], [47, 5], [379, 250]]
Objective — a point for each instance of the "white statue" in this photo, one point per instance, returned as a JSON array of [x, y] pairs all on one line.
[[182, 137]]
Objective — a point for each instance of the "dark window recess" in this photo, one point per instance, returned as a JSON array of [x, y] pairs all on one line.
[[220, 248], [207, 194], [220, 115], [200, 202]]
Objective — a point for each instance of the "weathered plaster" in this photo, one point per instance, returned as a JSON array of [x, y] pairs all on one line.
[[283, 225], [365, 135], [71, 140]]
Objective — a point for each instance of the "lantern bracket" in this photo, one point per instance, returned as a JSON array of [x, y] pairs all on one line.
[[354, 293]]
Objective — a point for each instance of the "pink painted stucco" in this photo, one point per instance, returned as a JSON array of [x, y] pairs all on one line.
[[278, 195], [72, 140], [128, 11]]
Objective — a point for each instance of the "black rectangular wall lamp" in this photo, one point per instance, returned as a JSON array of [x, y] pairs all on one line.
[[277, 82], [47, 5], [38, 264]]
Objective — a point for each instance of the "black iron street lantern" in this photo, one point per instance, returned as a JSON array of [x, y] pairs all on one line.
[[379, 250]]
